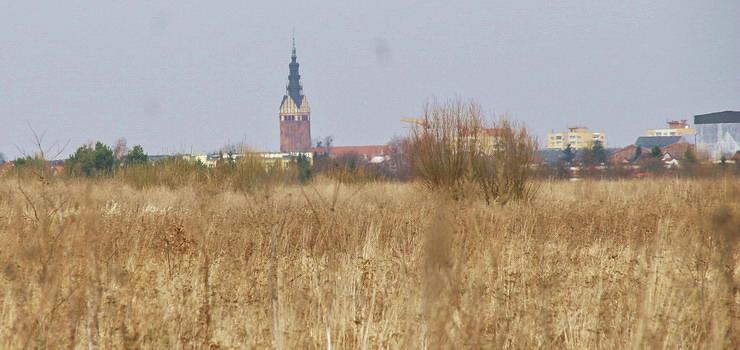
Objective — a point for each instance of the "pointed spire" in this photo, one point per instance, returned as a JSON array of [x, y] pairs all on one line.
[[294, 88]]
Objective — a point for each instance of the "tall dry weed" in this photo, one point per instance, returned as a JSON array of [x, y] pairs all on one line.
[[591, 264]]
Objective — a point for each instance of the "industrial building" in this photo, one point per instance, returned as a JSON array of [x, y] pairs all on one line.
[[718, 134]]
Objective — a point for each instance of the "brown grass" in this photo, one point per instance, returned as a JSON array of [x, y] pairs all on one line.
[[620, 264]]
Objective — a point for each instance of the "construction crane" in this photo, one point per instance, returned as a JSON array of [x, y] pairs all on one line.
[[417, 121]]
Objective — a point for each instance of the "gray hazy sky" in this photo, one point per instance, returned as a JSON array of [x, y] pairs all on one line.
[[172, 75]]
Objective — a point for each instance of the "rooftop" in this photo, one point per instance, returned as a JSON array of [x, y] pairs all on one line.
[[658, 141], [719, 117]]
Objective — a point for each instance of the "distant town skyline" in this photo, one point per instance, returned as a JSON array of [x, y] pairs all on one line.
[[178, 76]]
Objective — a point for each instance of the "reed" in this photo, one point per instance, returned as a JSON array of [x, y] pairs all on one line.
[[590, 264]]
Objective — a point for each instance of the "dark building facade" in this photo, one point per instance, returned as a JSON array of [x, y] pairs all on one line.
[[295, 113]]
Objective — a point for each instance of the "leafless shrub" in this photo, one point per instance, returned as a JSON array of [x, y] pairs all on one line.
[[350, 169], [454, 151]]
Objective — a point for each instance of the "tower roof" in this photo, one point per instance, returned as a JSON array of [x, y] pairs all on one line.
[[294, 88]]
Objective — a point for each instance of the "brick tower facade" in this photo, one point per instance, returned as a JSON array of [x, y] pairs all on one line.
[[295, 113]]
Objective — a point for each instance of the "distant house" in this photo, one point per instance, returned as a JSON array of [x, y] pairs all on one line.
[[553, 156], [673, 149], [676, 151], [626, 154], [281, 159], [548, 156], [375, 153]]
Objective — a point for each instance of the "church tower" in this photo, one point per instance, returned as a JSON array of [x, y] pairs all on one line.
[[295, 113]]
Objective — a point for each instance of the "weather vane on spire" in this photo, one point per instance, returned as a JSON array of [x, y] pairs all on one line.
[[294, 42]]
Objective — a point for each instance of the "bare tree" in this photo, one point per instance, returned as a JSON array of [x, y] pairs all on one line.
[[49, 153], [39, 160], [324, 145], [236, 148], [119, 148]]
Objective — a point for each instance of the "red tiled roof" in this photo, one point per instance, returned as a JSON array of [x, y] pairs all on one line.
[[626, 154], [676, 150]]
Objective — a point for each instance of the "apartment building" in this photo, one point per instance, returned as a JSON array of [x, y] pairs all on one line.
[[579, 137]]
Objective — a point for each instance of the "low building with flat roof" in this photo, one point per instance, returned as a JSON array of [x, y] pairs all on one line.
[[675, 128]]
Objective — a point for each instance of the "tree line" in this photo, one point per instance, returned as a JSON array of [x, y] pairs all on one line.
[[91, 159]]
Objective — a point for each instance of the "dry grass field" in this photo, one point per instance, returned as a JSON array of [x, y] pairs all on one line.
[[584, 265]]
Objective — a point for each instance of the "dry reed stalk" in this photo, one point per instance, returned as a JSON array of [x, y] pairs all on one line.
[[273, 283], [579, 266]]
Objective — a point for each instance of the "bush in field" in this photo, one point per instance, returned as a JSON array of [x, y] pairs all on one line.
[[34, 160], [91, 160], [398, 164], [351, 168], [35, 166], [303, 166], [170, 172], [654, 164], [455, 152], [244, 173], [136, 156]]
